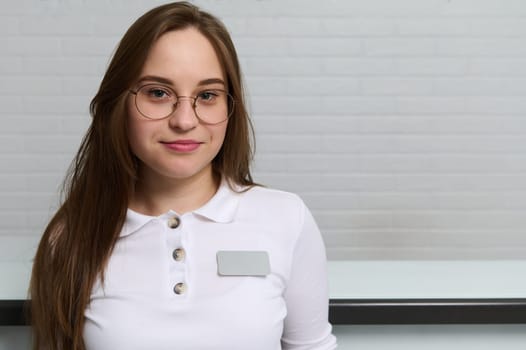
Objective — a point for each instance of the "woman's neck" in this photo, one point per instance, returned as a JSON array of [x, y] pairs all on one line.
[[155, 195]]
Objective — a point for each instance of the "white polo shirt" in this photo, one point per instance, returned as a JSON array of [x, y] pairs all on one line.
[[162, 289]]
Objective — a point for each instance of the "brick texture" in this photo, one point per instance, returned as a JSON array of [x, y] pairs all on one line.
[[401, 123]]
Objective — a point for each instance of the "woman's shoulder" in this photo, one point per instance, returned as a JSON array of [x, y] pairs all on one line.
[[272, 200], [272, 194]]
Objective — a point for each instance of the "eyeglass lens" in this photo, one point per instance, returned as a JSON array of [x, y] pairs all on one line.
[[157, 102]]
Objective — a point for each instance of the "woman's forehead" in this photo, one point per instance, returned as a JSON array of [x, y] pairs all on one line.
[[183, 56]]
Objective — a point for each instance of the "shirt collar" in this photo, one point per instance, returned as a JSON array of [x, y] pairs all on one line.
[[221, 208], [134, 221]]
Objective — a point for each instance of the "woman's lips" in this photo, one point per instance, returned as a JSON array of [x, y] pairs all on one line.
[[183, 145]]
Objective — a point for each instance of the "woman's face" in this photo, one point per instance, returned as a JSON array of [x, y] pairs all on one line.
[[179, 146]]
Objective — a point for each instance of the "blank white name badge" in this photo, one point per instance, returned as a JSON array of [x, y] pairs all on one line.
[[242, 263]]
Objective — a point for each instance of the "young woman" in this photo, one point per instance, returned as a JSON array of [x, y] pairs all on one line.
[[163, 240]]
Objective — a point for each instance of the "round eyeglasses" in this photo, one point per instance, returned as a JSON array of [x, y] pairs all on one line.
[[155, 101]]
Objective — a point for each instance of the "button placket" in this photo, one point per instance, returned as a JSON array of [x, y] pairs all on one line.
[[178, 269], [178, 256]]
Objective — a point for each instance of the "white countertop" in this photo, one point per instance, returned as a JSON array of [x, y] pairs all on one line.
[[427, 279], [374, 279]]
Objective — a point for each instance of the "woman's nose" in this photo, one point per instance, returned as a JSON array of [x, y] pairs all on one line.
[[184, 116]]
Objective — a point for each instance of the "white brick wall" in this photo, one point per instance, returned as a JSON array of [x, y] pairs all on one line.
[[401, 123]]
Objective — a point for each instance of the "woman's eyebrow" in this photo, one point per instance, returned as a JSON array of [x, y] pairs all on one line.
[[211, 81], [167, 81], [155, 78]]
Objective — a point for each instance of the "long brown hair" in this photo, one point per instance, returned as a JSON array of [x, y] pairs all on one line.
[[79, 239]]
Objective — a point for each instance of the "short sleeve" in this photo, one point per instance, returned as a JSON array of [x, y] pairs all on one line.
[[306, 325]]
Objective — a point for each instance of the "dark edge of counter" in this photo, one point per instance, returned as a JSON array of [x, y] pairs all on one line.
[[375, 311], [13, 312], [427, 311]]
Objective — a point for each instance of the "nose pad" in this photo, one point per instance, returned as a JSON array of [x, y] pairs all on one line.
[[189, 98], [184, 115]]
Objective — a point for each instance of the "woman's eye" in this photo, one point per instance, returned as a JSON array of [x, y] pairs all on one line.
[[207, 96], [157, 93]]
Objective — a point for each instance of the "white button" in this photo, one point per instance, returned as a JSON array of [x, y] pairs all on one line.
[[174, 222], [180, 288], [179, 254]]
